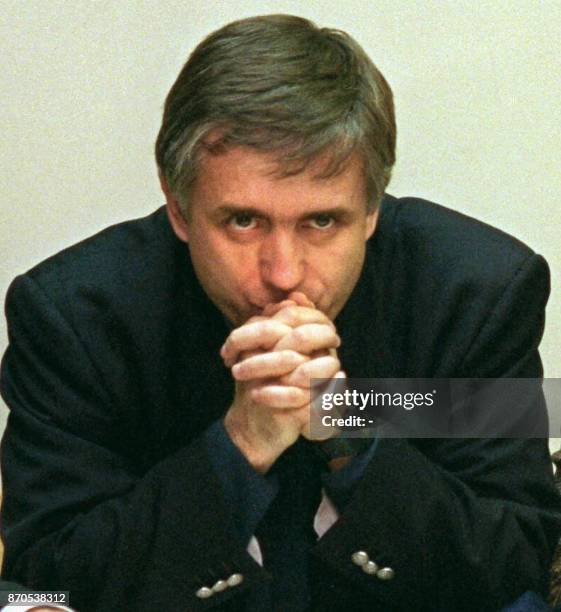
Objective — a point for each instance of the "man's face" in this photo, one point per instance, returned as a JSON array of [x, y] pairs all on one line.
[[255, 237]]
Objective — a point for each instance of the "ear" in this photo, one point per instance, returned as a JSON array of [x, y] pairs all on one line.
[[175, 216], [371, 222]]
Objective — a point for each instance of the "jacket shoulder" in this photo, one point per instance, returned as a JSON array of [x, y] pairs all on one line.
[[103, 317], [121, 253], [447, 278], [439, 236]]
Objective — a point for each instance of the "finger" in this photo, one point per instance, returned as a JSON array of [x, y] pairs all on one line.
[[272, 309], [321, 431], [268, 365], [256, 318], [323, 367], [300, 315], [248, 354], [296, 298], [280, 396], [301, 299], [263, 334], [335, 385], [309, 338]]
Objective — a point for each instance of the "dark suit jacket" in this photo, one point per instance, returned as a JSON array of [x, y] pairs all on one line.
[[113, 374]]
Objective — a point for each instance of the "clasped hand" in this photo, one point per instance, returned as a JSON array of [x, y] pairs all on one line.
[[273, 357]]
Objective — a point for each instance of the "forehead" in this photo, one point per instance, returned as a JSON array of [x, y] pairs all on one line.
[[244, 176]]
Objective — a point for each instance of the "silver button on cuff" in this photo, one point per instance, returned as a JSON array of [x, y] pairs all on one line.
[[204, 593], [360, 558], [370, 568], [386, 573], [234, 580], [221, 585]]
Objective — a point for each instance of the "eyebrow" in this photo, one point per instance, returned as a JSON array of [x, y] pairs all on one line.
[[237, 209], [335, 211]]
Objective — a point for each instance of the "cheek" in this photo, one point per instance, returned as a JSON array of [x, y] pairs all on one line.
[[342, 256], [341, 269], [232, 265]]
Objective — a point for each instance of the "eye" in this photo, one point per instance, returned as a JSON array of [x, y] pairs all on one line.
[[242, 221], [322, 221]]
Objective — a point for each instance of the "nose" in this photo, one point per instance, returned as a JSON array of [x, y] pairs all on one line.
[[282, 262]]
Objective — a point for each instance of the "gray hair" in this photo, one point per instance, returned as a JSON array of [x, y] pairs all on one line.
[[279, 83]]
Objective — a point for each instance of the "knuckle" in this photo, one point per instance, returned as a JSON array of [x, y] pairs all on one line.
[[289, 314], [273, 328], [292, 310], [234, 337], [300, 335], [257, 395], [296, 377], [329, 333], [324, 366], [289, 356], [334, 363], [255, 319], [271, 324]]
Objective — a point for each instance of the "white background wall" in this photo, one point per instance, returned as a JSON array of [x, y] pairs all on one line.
[[477, 87]]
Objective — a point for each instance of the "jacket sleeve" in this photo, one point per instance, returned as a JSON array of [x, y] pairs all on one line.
[[78, 515], [463, 524]]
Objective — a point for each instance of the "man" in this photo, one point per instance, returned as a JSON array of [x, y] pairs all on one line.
[[157, 454]]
